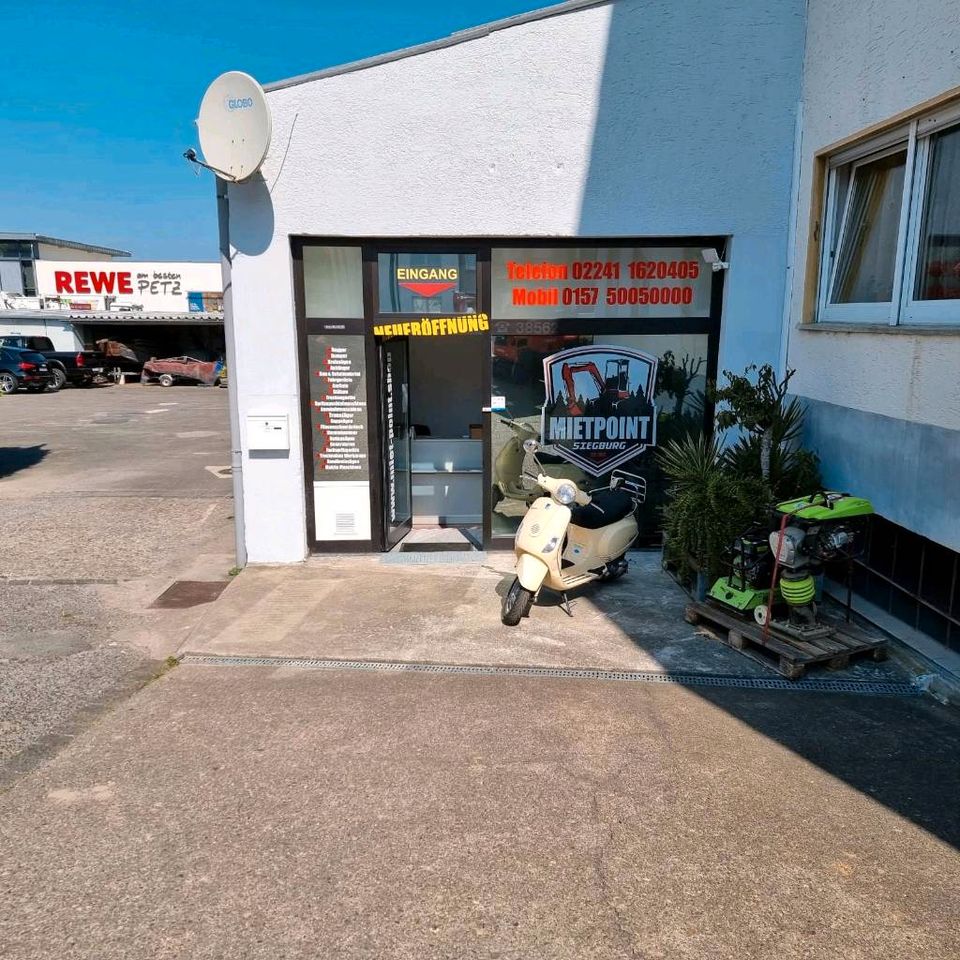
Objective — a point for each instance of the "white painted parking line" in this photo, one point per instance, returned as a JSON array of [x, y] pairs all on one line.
[[157, 410]]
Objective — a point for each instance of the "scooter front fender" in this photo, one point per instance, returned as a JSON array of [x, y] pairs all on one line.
[[531, 572]]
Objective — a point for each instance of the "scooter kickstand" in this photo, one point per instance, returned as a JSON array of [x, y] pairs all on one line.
[[566, 605]]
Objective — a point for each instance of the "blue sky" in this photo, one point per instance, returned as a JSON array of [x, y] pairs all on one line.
[[98, 99]]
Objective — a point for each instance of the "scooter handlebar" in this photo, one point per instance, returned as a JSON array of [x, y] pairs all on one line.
[[551, 485]]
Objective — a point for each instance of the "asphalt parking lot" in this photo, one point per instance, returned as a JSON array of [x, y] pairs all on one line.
[[267, 812], [106, 494], [280, 811]]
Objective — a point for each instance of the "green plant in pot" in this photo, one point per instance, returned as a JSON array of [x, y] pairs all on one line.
[[707, 507], [772, 425], [716, 492]]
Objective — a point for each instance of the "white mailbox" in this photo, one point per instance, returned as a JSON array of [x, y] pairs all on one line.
[[268, 431]]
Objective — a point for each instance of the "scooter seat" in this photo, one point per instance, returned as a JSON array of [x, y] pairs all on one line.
[[613, 505]]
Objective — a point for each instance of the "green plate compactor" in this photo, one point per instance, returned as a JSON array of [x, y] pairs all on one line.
[[773, 569]]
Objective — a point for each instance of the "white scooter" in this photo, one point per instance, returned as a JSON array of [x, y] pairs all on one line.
[[572, 537]]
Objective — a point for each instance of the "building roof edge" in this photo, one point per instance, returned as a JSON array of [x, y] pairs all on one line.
[[59, 242], [461, 36]]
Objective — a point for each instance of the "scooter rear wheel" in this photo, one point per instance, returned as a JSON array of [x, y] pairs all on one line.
[[516, 604]]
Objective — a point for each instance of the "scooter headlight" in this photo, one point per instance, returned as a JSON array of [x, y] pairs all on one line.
[[566, 493]]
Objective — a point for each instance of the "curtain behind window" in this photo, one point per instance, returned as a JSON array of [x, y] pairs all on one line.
[[938, 267], [866, 260]]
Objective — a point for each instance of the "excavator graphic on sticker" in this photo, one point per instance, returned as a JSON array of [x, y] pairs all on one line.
[[599, 411]]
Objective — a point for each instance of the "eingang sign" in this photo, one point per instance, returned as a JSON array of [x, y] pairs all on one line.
[[427, 283], [125, 286]]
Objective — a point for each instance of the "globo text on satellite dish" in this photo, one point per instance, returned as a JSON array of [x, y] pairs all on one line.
[[234, 125]]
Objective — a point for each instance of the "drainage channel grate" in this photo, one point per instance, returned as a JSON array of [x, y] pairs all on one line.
[[875, 688], [436, 546], [468, 555]]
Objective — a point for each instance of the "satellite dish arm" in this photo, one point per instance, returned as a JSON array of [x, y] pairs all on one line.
[[191, 155]]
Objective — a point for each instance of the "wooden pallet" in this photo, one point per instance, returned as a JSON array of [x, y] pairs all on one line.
[[786, 654]]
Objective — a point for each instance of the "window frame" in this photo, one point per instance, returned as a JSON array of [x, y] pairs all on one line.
[[913, 311], [28, 278], [882, 311], [902, 309]]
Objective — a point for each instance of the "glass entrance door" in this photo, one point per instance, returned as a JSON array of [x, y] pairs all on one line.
[[396, 431]]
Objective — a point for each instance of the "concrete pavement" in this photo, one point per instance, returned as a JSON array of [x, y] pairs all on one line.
[[230, 812], [104, 499], [226, 812]]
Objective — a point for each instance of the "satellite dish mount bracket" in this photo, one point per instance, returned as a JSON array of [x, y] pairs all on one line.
[[191, 155]]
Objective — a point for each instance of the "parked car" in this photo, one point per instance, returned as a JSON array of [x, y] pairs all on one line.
[[78, 367], [24, 368], [181, 370]]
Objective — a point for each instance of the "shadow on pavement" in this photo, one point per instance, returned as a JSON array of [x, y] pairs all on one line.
[[902, 752], [14, 459]]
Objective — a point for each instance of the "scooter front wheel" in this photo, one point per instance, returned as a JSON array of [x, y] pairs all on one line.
[[516, 604]]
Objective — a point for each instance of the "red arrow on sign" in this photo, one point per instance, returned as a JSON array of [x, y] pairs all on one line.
[[427, 289]]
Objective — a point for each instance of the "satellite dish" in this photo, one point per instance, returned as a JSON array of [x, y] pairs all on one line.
[[234, 125]]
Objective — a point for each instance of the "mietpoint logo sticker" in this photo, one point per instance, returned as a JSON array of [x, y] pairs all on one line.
[[599, 409]]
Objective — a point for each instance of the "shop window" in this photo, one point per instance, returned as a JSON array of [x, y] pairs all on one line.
[[677, 391], [427, 283], [333, 282], [29, 281], [16, 250], [339, 431], [891, 250]]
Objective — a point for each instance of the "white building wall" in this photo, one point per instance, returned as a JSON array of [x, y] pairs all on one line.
[[633, 118], [864, 63]]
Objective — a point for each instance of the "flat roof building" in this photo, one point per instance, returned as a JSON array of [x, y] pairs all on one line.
[[19, 252], [78, 293], [705, 188]]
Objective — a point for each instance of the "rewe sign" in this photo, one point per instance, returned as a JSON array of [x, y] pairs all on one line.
[[150, 287], [93, 281]]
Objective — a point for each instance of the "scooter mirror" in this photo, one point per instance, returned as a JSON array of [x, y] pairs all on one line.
[[531, 445]]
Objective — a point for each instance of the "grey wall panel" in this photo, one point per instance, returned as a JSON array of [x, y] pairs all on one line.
[[11, 280], [909, 471]]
